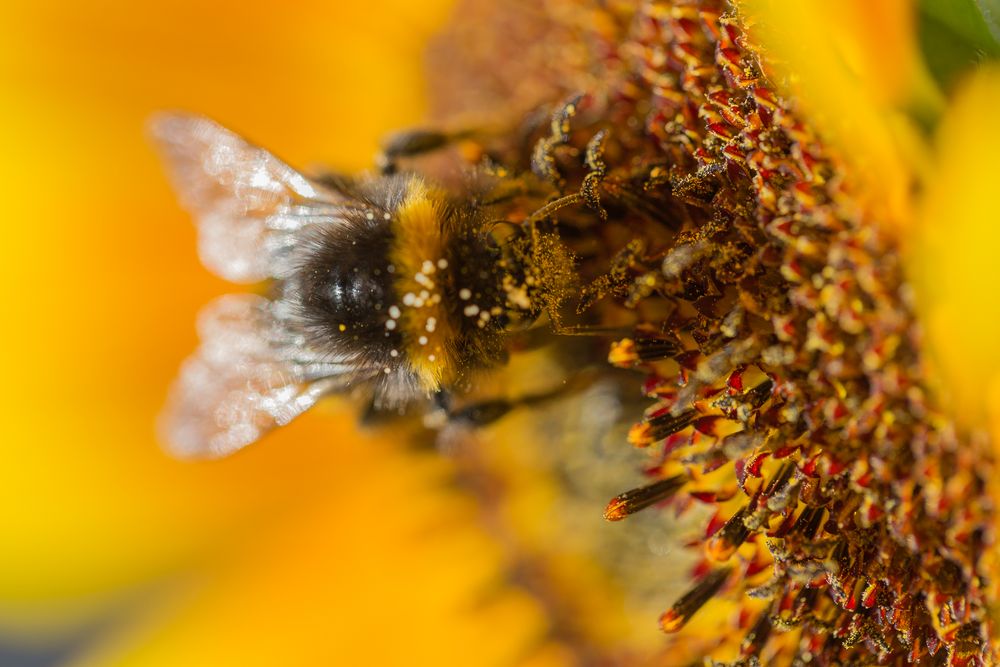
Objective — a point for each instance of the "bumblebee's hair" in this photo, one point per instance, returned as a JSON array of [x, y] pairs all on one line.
[[407, 287]]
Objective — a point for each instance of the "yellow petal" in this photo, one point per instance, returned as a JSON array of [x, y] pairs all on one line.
[[381, 569], [956, 260]]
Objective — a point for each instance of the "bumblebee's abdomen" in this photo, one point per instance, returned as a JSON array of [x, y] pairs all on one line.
[[351, 295], [344, 290]]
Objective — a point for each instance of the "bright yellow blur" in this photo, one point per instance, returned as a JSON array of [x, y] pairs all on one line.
[[320, 544], [956, 263]]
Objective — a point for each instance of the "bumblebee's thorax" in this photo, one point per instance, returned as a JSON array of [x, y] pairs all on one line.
[[409, 287], [446, 283]]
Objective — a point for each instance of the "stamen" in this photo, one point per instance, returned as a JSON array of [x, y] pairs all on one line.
[[689, 603], [642, 497]]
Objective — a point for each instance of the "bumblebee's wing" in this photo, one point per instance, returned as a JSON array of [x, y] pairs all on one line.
[[247, 376], [247, 203]]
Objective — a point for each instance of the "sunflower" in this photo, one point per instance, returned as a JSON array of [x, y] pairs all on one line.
[[787, 406], [788, 150]]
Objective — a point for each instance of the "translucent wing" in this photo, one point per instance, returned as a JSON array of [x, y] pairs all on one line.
[[247, 203], [248, 375]]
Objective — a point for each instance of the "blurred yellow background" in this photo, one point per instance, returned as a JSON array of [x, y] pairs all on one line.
[[321, 545]]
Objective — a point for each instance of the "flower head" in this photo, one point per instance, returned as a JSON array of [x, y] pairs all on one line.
[[764, 159]]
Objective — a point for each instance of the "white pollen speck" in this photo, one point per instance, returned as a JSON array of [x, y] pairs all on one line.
[[394, 312], [442, 264], [422, 340], [471, 311], [427, 267], [418, 303], [484, 316], [409, 298], [431, 324], [390, 324], [424, 294], [464, 294], [386, 216], [391, 268], [431, 357], [386, 370], [393, 353], [370, 215]]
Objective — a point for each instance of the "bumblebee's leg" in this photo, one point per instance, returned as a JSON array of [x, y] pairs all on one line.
[[482, 413], [542, 335], [510, 189], [475, 414], [486, 412], [414, 143], [374, 413], [589, 189], [443, 400], [340, 183], [598, 169], [543, 158]]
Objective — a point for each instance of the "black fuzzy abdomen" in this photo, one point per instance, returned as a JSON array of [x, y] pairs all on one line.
[[344, 291], [348, 293]]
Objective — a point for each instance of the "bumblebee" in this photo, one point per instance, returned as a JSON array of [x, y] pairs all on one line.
[[388, 283]]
